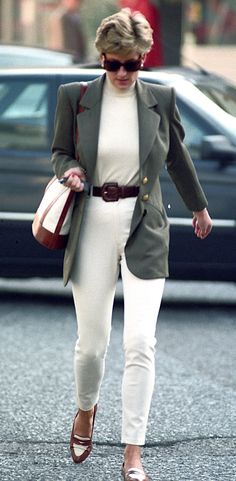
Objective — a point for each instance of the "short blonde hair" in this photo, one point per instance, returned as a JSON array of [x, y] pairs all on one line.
[[124, 32]]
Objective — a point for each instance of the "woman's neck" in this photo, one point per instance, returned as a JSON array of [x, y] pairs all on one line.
[[113, 90]]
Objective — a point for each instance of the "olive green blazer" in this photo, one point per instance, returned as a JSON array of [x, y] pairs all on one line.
[[161, 143]]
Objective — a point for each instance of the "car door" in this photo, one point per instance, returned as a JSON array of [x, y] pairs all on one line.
[[215, 258], [26, 116]]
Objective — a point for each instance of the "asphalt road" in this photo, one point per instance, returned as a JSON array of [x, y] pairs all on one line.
[[192, 429]]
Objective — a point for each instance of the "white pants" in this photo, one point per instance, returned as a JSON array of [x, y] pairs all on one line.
[[99, 257]]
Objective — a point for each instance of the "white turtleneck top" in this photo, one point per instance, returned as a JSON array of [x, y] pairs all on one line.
[[118, 142]]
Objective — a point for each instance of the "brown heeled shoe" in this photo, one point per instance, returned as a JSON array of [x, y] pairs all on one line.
[[80, 446], [134, 474]]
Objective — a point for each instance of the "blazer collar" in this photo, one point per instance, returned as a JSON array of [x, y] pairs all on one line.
[[94, 93], [145, 94]]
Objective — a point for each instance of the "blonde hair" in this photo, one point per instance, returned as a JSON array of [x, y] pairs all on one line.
[[124, 32]]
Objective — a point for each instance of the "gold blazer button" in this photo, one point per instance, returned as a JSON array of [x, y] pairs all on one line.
[[145, 180], [145, 197]]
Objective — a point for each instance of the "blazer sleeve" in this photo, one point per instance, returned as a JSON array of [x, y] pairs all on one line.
[[63, 145], [180, 165]]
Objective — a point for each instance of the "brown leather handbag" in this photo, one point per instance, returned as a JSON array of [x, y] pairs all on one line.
[[51, 224]]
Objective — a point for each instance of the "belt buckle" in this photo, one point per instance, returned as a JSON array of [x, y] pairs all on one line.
[[110, 192]]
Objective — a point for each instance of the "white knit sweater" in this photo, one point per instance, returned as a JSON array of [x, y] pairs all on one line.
[[118, 143]]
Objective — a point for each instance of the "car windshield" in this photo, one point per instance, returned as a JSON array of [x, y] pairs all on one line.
[[226, 99]]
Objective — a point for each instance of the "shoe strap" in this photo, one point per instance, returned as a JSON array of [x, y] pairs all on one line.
[[82, 440], [136, 474]]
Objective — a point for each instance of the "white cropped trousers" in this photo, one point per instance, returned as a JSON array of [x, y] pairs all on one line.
[[99, 257]]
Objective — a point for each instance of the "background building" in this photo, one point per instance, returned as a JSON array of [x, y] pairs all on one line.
[[26, 22], [181, 27], [212, 21]]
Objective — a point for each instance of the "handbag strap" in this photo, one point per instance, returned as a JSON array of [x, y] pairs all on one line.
[[80, 108], [64, 212]]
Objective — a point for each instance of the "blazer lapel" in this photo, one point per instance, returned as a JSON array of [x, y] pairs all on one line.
[[148, 119], [88, 124]]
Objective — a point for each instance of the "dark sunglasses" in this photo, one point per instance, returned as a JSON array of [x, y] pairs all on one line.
[[129, 65]]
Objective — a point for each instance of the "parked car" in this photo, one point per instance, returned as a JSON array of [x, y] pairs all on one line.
[[28, 100], [219, 89], [23, 56]]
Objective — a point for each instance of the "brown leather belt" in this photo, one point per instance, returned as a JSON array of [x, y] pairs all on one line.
[[112, 192]]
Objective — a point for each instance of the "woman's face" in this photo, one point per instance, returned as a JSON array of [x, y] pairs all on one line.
[[121, 78]]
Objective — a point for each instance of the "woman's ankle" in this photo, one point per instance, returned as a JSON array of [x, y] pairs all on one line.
[[132, 457], [132, 449], [84, 423]]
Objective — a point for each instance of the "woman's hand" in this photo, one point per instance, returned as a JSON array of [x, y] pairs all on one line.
[[202, 223], [75, 179]]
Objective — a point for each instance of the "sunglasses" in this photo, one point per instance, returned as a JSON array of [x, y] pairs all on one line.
[[129, 65]]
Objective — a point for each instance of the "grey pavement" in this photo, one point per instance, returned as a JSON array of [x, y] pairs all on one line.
[[192, 428], [175, 291]]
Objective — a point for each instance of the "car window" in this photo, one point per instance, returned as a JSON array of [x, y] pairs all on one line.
[[195, 129], [225, 99], [23, 115]]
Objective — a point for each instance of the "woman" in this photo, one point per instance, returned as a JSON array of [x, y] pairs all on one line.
[[128, 130]]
